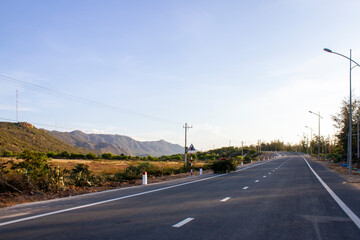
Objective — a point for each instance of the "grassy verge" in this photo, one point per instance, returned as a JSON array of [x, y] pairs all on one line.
[[37, 178]]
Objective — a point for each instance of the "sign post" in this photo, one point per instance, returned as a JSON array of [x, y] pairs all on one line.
[[191, 149]]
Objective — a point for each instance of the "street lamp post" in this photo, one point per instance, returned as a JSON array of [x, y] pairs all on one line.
[[357, 136], [350, 107], [318, 114], [311, 130]]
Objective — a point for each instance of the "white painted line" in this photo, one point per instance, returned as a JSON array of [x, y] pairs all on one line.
[[343, 206], [183, 222], [225, 199], [119, 198], [264, 176], [256, 180], [245, 187], [105, 201]]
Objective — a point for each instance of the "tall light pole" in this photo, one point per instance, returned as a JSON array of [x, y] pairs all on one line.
[[318, 114], [350, 100], [311, 130], [357, 136]]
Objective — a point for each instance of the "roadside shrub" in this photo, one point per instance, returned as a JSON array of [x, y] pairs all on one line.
[[81, 176], [130, 173], [247, 159], [33, 173], [135, 172], [223, 166]]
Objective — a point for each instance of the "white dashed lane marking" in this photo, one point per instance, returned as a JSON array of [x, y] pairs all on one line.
[[225, 199], [245, 187], [256, 180], [183, 222]]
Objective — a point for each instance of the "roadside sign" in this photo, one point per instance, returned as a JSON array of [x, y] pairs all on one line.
[[191, 148]]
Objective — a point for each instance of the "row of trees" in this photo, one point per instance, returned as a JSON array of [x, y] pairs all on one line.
[[92, 156], [336, 148]]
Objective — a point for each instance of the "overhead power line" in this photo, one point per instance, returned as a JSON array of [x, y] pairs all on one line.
[[73, 98]]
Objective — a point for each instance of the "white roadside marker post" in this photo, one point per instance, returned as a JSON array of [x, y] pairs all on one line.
[[201, 171], [191, 165], [144, 178], [242, 163]]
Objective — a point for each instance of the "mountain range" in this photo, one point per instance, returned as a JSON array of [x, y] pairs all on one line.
[[17, 137], [117, 144]]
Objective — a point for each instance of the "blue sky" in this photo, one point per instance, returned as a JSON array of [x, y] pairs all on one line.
[[235, 70]]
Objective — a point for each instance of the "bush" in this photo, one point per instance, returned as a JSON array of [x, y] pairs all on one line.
[[247, 159], [81, 176], [34, 173], [223, 166]]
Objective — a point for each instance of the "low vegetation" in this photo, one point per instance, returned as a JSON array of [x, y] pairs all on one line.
[[32, 173], [223, 166]]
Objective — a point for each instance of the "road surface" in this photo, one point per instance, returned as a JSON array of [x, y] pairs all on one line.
[[277, 199]]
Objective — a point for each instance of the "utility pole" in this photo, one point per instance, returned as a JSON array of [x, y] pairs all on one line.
[[186, 148], [17, 106]]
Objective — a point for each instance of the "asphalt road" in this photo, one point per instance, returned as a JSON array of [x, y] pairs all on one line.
[[278, 199]]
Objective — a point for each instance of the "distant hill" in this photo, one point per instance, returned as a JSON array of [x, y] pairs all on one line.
[[17, 137], [117, 144]]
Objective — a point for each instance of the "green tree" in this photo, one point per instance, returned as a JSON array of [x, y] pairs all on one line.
[[90, 156], [341, 123], [107, 155]]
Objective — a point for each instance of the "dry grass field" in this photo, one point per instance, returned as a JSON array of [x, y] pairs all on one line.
[[102, 166]]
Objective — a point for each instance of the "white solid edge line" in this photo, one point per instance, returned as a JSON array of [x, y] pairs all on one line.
[[183, 222], [225, 199], [119, 198], [343, 206]]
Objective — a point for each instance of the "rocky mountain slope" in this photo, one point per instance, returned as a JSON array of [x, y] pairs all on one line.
[[17, 137], [117, 144]]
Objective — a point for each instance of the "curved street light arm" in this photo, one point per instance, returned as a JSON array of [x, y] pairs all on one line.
[[330, 51]]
